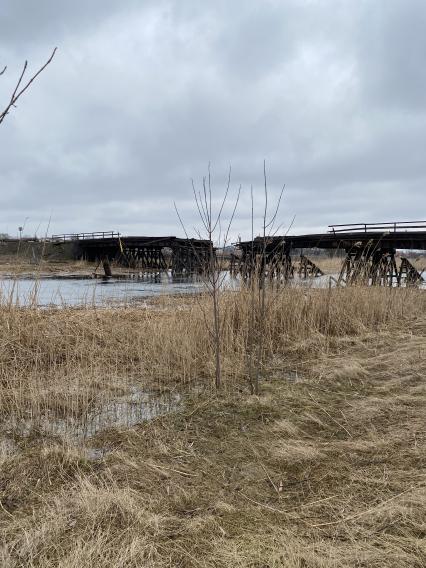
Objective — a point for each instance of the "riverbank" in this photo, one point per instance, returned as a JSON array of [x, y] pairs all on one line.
[[23, 267], [325, 468]]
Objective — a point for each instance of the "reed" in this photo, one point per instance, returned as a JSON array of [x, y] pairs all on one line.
[[323, 469], [67, 362]]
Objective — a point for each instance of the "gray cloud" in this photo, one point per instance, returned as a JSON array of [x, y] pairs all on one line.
[[143, 95]]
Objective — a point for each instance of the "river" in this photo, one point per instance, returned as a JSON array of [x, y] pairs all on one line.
[[86, 291]]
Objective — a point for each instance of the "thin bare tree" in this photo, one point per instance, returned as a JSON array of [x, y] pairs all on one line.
[[22, 85], [259, 306], [213, 276]]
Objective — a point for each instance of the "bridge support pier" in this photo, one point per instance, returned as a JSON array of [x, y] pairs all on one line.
[[308, 269], [376, 267], [107, 267], [410, 273], [275, 265], [367, 266], [145, 258]]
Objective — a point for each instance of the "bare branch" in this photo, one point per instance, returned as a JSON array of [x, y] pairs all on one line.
[[208, 211], [231, 218], [290, 226], [265, 213], [224, 198], [14, 98], [18, 91], [180, 220], [274, 216], [199, 203]]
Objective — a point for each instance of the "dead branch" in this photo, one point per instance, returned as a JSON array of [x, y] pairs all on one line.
[[20, 88]]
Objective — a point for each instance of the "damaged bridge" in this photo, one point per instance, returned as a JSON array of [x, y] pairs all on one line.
[[140, 252], [369, 253]]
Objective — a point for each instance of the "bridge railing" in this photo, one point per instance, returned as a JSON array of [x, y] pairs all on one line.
[[393, 227], [85, 236]]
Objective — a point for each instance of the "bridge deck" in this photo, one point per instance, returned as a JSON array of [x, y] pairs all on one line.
[[407, 240], [112, 238]]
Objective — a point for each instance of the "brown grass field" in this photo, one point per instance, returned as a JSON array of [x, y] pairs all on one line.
[[21, 266], [325, 468]]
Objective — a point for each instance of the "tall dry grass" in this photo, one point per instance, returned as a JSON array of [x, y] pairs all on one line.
[[67, 362], [326, 471]]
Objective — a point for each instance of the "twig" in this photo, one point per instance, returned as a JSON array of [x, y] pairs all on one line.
[[18, 93], [264, 468], [351, 517], [6, 511], [162, 467], [329, 415], [285, 511]]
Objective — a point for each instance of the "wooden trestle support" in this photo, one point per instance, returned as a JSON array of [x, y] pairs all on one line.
[[149, 258], [308, 269], [148, 254], [190, 259], [180, 259], [377, 267], [276, 264]]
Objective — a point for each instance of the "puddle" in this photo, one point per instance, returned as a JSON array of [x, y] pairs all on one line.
[[94, 454], [293, 377], [136, 406], [8, 447]]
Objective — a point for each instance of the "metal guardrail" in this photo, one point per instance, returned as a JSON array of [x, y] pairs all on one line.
[[394, 227], [85, 236]]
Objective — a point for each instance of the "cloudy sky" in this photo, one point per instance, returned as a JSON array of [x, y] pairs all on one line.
[[142, 95]]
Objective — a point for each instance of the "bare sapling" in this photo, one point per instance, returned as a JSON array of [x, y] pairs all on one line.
[[212, 219], [258, 282]]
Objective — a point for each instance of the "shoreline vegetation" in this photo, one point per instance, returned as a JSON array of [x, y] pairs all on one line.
[[324, 468]]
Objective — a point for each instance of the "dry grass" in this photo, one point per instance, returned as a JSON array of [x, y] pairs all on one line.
[[324, 469], [25, 267], [67, 361]]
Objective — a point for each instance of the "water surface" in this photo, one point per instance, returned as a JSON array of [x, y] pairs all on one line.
[[81, 291], [77, 291]]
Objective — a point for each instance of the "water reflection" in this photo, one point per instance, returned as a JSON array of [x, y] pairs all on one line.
[[80, 291], [137, 405]]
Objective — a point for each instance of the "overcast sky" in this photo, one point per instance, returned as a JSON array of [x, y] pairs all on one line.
[[142, 95]]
